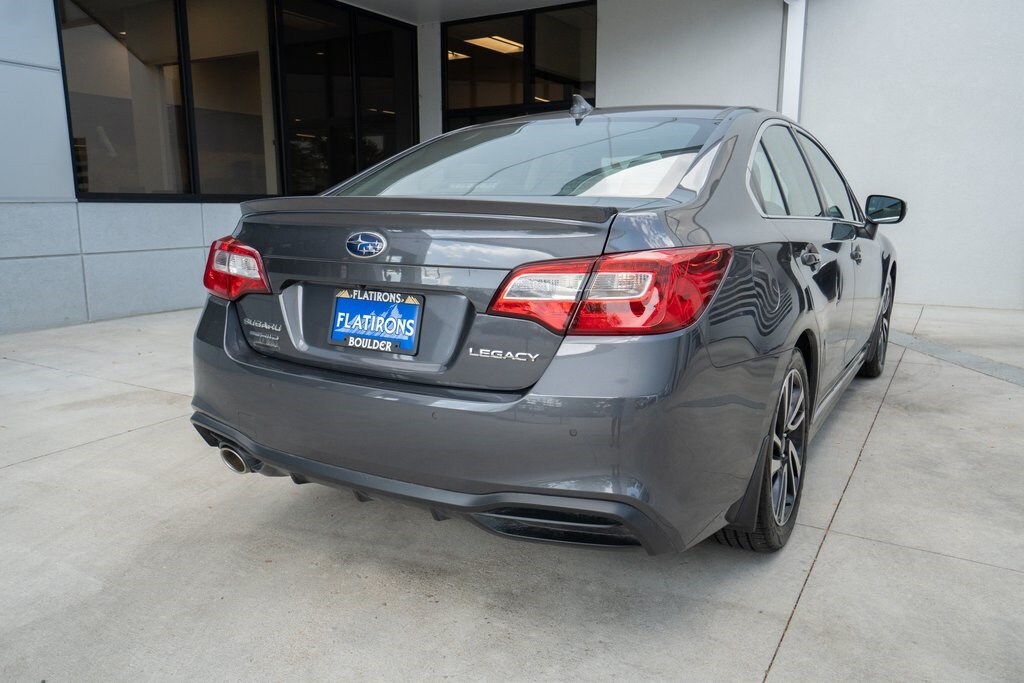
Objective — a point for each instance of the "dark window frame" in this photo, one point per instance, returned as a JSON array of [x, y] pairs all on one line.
[[274, 36], [528, 106], [281, 122]]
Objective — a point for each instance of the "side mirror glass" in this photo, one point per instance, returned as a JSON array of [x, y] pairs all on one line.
[[880, 208]]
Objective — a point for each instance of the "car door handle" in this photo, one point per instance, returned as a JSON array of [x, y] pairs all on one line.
[[810, 258], [855, 254]]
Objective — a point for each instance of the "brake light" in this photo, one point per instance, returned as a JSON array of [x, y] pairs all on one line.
[[233, 269], [644, 292], [545, 292], [650, 292]]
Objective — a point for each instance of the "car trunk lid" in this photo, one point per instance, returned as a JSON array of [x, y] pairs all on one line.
[[443, 262]]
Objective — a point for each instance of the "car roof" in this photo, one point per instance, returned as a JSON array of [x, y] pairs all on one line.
[[690, 111]]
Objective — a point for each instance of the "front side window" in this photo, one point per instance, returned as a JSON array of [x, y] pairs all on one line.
[[791, 172], [837, 199], [603, 157]]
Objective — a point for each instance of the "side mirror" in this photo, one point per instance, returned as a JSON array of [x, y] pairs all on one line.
[[880, 208]]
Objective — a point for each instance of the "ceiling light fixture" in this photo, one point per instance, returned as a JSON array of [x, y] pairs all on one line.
[[497, 43], [537, 98], [452, 55]]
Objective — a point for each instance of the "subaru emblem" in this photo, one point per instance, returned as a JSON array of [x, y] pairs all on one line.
[[366, 244]]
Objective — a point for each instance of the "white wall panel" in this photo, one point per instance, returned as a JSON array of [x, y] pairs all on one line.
[[28, 33], [688, 52], [35, 155], [38, 229], [925, 103], [127, 226], [144, 282], [41, 292]]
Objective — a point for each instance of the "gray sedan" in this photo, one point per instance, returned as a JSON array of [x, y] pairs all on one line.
[[615, 327]]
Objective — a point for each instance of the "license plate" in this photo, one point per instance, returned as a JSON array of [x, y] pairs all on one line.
[[371, 320]]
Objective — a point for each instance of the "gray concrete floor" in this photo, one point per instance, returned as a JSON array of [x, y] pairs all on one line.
[[128, 551]]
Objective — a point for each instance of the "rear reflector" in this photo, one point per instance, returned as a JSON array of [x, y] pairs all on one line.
[[234, 269], [644, 292]]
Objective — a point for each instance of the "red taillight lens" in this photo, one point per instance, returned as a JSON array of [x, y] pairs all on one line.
[[650, 292], [234, 269], [545, 292], [644, 292]]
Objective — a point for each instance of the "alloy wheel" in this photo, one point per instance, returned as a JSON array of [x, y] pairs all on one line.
[[788, 447], [883, 330]]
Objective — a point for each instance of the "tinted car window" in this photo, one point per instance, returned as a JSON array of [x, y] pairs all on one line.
[[603, 157], [794, 178], [765, 187], [837, 199]]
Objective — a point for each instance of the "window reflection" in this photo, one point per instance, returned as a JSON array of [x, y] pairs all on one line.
[[231, 93], [485, 63], [385, 90], [318, 96], [124, 91], [566, 54]]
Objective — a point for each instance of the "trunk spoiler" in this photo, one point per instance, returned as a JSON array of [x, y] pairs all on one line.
[[555, 210]]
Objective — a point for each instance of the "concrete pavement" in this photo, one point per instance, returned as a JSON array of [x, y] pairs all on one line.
[[127, 550]]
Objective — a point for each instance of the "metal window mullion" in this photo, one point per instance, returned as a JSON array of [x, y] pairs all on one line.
[[529, 55], [356, 99], [188, 105], [275, 33]]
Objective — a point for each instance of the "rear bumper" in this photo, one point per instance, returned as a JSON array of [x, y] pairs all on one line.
[[523, 515], [659, 465]]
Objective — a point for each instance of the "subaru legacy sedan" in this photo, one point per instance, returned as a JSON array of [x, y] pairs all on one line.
[[605, 327]]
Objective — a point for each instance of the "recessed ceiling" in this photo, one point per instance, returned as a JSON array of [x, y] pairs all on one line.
[[425, 11]]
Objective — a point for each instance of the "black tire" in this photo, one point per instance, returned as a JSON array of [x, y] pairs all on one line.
[[787, 444], [875, 363]]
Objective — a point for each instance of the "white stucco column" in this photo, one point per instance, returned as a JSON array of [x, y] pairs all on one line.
[[792, 58]]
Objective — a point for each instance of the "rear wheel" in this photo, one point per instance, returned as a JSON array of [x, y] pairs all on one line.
[[875, 363], [783, 475]]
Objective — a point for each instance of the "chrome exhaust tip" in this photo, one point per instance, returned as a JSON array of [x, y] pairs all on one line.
[[234, 460]]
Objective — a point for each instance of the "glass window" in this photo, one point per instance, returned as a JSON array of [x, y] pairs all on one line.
[[234, 108], [485, 63], [765, 186], [386, 90], [636, 157], [565, 54], [146, 118], [791, 172], [513, 65], [318, 92], [837, 199], [124, 91]]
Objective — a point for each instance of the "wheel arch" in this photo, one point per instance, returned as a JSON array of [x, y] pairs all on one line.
[[742, 515]]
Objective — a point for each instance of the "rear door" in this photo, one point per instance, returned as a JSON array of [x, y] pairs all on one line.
[[821, 247], [414, 310], [865, 252]]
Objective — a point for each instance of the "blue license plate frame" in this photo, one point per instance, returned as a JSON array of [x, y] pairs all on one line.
[[376, 321]]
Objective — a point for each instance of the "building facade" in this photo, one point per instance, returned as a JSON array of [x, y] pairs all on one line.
[[131, 130]]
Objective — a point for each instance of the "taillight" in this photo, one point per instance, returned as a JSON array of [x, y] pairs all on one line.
[[643, 292], [650, 292], [545, 292], [233, 269]]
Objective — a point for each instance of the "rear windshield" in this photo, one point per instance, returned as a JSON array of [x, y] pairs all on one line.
[[602, 157]]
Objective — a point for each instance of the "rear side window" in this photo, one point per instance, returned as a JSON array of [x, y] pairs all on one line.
[[791, 171], [764, 185], [837, 199]]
